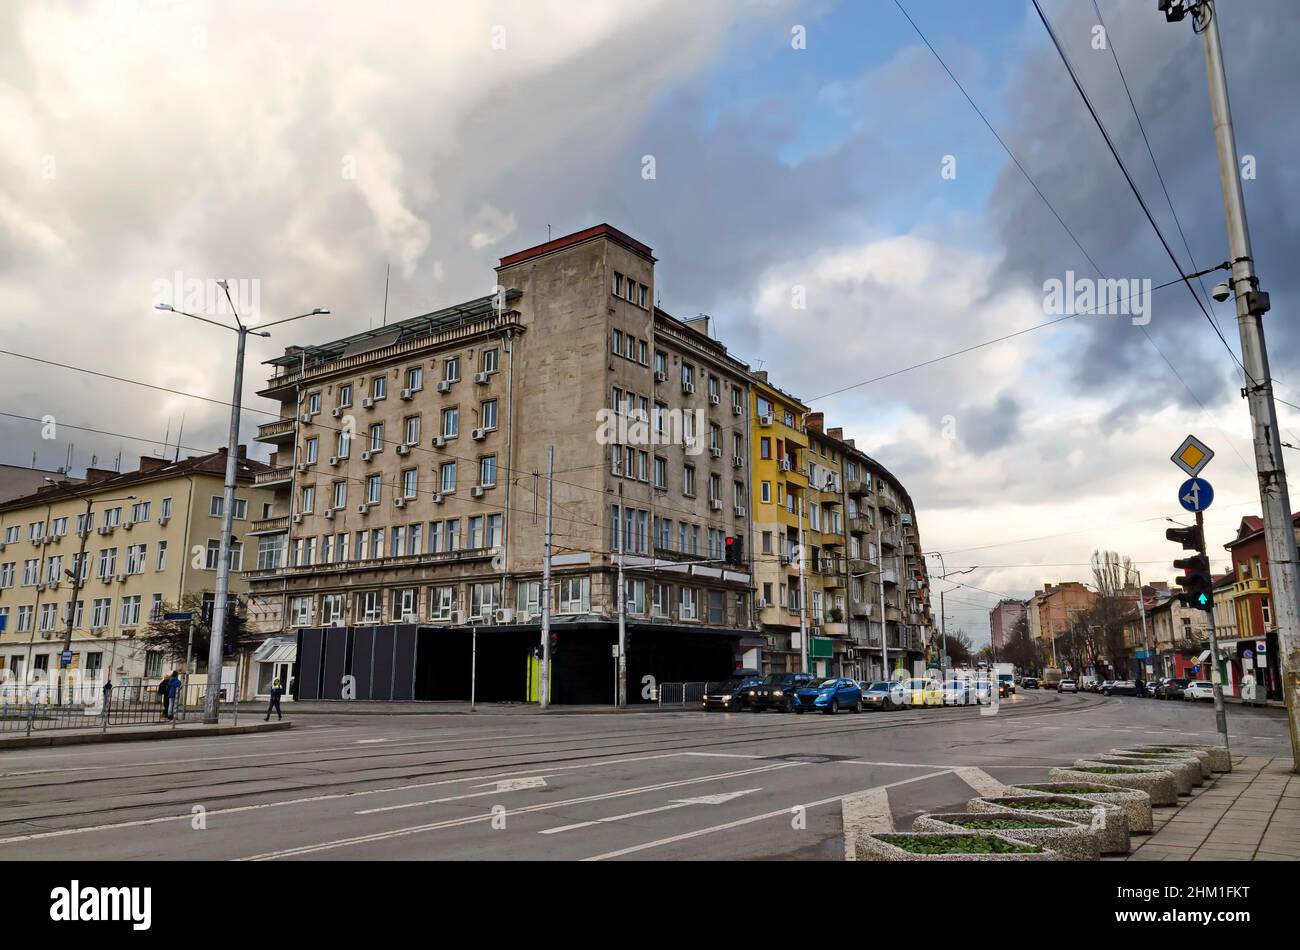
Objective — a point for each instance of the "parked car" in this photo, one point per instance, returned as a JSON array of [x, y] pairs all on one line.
[[1067, 686], [922, 692], [1198, 689], [1121, 688], [1172, 688], [829, 696], [1150, 687], [777, 691], [882, 695], [1029, 682], [728, 694]]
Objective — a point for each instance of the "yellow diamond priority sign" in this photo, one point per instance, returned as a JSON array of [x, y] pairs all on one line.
[[1192, 456]]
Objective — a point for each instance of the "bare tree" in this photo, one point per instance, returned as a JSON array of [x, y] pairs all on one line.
[[1104, 623]]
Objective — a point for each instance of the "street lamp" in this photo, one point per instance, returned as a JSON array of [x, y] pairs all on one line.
[[77, 571], [228, 503]]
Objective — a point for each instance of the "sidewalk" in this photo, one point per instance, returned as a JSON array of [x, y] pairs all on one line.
[[58, 737], [1249, 814]]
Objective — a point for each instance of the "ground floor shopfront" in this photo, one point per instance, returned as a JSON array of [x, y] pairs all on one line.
[[491, 664]]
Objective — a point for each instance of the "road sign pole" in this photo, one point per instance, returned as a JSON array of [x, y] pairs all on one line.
[[1220, 712]]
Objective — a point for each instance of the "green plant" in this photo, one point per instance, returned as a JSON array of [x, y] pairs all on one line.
[[996, 823], [1069, 789], [1107, 770], [958, 844], [1031, 805]]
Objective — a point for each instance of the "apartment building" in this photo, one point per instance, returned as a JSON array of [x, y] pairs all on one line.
[[1055, 610], [1002, 620], [109, 552], [409, 472]]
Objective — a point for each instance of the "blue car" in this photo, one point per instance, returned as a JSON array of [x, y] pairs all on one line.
[[830, 696]]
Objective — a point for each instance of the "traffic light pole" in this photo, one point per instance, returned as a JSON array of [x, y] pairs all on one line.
[[1220, 711]]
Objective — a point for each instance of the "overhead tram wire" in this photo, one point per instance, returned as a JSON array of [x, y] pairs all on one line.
[[1073, 236]]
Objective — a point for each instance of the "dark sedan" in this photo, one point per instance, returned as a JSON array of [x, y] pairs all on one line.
[[728, 695], [1171, 689], [1029, 682], [777, 691]]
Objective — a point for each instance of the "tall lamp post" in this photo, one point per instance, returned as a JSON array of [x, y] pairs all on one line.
[[76, 573], [221, 593]]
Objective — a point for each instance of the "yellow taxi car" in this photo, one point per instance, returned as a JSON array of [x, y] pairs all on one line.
[[922, 692]]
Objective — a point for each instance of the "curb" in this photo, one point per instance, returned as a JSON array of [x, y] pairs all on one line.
[[52, 738]]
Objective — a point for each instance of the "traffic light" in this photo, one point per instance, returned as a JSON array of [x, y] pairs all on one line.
[[555, 643], [735, 551], [1197, 583], [233, 633], [1190, 538]]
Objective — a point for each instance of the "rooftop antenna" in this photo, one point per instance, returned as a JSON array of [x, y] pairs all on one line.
[[167, 438], [179, 431], [118, 468], [548, 233], [387, 270]]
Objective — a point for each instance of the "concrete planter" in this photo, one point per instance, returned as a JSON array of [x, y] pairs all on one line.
[[1135, 804], [1111, 833], [1202, 761], [1186, 772], [1220, 758], [1161, 786], [875, 847], [1071, 840]]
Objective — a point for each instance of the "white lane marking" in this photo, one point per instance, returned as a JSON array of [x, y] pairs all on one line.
[[368, 741], [527, 809], [723, 755], [143, 822], [497, 788], [782, 812], [676, 803], [864, 813], [986, 785]]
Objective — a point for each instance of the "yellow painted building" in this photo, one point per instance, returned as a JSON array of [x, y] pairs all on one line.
[[142, 538]]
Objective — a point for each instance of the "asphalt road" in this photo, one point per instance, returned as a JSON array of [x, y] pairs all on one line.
[[658, 785]]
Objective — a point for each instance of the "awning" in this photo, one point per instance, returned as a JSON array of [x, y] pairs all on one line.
[[277, 650]]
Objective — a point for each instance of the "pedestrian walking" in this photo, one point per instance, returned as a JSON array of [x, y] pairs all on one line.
[[108, 693], [171, 689], [274, 706], [162, 696]]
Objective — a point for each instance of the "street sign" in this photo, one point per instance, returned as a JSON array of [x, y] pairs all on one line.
[[1196, 667], [1192, 456], [65, 657], [1247, 654], [1261, 646], [1195, 494], [185, 617]]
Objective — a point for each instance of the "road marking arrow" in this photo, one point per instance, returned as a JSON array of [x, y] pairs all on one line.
[[493, 788], [676, 803], [515, 784]]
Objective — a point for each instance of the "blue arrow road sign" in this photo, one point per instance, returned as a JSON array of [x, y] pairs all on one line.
[[1195, 494]]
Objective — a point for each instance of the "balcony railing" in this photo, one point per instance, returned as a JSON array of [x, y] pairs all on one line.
[[857, 488], [373, 564], [270, 525], [275, 476], [860, 525], [277, 432]]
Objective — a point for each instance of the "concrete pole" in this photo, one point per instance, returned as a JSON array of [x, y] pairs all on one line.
[[1251, 305], [620, 690], [1146, 636], [223, 557], [72, 605], [1220, 712], [544, 688]]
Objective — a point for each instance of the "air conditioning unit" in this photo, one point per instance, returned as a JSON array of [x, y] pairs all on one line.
[[46, 634], [406, 393], [784, 465], [736, 409], [765, 420], [334, 460], [302, 467], [478, 435], [367, 402], [504, 615], [162, 520], [444, 385], [737, 460], [760, 603], [306, 417], [715, 399], [367, 455], [688, 388], [458, 616], [403, 449], [661, 376], [399, 502], [337, 412], [716, 452], [105, 529], [363, 509], [328, 514], [409, 618], [715, 504], [96, 631], [121, 578], [340, 622], [476, 491], [127, 525], [439, 441], [482, 378], [437, 498], [40, 588], [297, 518], [740, 511]]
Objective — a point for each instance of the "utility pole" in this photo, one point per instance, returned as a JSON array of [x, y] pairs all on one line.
[[544, 688], [77, 584], [803, 596], [1252, 304], [1146, 636], [620, 697], [1216, 681]]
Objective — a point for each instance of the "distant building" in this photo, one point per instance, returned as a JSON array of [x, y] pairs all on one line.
[[1052, 611], [1003, 619], [19, 480]]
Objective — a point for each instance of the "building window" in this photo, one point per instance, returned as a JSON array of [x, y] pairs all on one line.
[[487, 471], [369, 607], [309, 451], [448, 481], [442, 601], [491, 360], [300, 612], [340, 494], [488, 414], [415, 378], [574, 595], [410, 482], [345, 395], [378, 387], [688, 481], [451, 369], [450, 423], [406, 604], [483, 600], [688, 603]]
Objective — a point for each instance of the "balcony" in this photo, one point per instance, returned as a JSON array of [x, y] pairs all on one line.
[[270, 525], [886, 500], [888, 539], [833, 629], [859, 608], [860, 525], [889, 576], [858, 566], [277, 433], [1251, 585], [857, 488], [273, 477]]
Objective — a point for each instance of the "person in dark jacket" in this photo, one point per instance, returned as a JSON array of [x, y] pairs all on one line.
[[274, 706], [162, 696], [172, 689]]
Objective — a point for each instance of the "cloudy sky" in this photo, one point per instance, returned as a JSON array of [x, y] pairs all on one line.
[[796, 145]]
